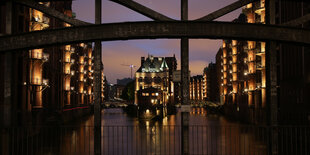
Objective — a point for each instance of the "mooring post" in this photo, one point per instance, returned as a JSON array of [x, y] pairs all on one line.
[[97, 85], [185, 107], [271, 83]]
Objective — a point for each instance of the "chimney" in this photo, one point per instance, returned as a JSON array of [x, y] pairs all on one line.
[[142, 60]]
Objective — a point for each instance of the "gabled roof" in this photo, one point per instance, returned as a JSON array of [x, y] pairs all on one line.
[[153, 64]]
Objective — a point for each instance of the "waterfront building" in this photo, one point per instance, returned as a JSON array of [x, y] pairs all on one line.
[[153, 82], [196, 89], [243, 70], [243, 73], [48, 81], [210, 87]]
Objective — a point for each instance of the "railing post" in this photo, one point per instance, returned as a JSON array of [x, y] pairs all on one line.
[[271, 78], [6, 112], [97, 84], [185, 107]]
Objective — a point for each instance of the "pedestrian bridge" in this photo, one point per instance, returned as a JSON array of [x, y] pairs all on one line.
[[154, 30]]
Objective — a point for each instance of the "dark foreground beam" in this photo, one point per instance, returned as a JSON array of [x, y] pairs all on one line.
[[225, 10], [51, 12], [185, 107], [97, 83], [143, 10], [153, 30]]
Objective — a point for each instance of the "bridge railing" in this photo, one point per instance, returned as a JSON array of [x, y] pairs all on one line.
[[155, 139]]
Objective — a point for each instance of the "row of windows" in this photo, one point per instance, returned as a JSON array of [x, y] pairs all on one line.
[[148, 94]]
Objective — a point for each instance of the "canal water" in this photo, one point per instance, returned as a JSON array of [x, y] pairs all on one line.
[[121, 134]]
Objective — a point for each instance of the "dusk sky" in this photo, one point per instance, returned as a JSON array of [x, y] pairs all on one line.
[[116, 53]]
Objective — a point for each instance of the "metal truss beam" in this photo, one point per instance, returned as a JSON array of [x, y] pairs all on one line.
[[143, 10], [298, 21], [225, 10], [51, 12], [153, 30]]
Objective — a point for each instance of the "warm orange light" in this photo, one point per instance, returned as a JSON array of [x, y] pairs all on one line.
[[234, 42], [81, 59]]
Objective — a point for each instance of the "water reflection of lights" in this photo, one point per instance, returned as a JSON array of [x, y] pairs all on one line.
[[160, 135], [198, 111], [157, 112], [165, 121]]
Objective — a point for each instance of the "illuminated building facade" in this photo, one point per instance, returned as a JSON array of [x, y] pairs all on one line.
[[119, 91], [154, 72], [54, 79], [81, 83], [154, 88], [196, 88], [243, 73], [256, 63], [210, 86], [103, 87], [242, 68]]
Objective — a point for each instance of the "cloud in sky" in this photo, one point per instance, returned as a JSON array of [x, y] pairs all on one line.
[[115, 53]]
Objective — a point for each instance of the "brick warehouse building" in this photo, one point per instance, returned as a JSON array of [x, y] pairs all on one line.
[[154, 86], [242, 68], [49, 84]]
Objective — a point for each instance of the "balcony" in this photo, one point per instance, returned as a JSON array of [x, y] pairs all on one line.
[[67, 72], [43, 23], [259, 66], [35, 55], [259, 7], [259, 52], [82, 63], [247, 10], [39, 56], [46, 56], [36, 81], [39, 81], [258, 85], [67, 60], [72, 50]]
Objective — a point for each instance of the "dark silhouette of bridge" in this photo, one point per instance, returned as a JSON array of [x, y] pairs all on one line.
[[154, 30], [165, 27]]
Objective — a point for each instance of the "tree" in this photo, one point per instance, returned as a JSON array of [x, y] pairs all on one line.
[[128, 93]]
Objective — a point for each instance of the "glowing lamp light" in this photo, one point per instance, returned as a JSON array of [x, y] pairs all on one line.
[[147, 111], [45, 82], [36, 19]]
